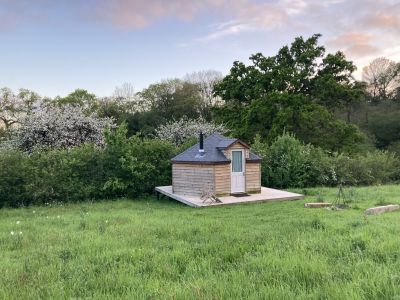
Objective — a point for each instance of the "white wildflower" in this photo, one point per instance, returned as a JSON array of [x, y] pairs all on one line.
[[18, 222], [20, 232], [12, 232]]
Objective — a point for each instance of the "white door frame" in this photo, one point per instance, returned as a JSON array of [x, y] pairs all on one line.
[[238, 179]]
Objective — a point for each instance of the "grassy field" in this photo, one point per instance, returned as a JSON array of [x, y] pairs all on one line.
[[161, 250]]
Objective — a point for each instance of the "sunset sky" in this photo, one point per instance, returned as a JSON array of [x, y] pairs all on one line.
[[56, 46]]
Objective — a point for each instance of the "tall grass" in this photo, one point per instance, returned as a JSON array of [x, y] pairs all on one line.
[[163, 250]]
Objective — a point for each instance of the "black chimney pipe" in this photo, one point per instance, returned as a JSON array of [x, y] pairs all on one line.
[[201, 144]]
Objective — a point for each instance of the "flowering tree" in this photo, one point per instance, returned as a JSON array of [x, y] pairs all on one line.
[[178, 131], [59, 127], [14, 106]]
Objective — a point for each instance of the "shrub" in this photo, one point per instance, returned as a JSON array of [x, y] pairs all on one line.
[[134, 165], [131, 167], [66, 175], [287, 162], [284, 161], [14, 183], [125, 167], [375, 167]]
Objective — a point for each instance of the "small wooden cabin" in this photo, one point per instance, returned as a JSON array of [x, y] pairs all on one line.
[[224, 165]]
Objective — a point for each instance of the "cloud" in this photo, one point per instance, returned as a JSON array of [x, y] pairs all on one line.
[[354, 44], [16, 12], [360, 28], [383, 17], [248, 17], [134, 14], [386, 20], [224, 29], [11, 14]]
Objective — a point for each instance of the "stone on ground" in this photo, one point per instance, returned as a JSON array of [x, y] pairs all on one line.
[[381, 209], [317, 204]]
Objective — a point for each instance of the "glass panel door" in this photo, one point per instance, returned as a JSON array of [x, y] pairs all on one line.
[[237, 161]]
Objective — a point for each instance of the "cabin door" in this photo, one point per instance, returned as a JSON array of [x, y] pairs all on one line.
[[237, 172]]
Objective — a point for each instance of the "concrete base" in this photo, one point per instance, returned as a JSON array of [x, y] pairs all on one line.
[[266, 194]]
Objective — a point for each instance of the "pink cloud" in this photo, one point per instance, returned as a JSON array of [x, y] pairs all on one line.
[[133, 14], [355, 44], [385, 20], [358, 27], [16, 12]]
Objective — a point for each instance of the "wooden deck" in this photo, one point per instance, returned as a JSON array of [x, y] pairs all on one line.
[[266, 194]]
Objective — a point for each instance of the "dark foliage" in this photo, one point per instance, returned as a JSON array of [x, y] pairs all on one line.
[[296, 91]]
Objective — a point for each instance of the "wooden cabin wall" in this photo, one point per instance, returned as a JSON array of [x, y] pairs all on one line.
[[191, 179], [222, 179], [253, 177]]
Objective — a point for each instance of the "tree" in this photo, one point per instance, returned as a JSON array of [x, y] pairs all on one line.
[[125, 91], [164, 101], [172, 99], [126, 96], [383, 78], [79, 98], [14, 106], [177, 132], [287, 92], [59, 127], [206, 81]]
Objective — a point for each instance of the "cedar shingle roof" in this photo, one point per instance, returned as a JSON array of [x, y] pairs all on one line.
[[213, 146]]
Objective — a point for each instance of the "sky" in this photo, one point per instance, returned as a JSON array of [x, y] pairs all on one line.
[[56, 46]]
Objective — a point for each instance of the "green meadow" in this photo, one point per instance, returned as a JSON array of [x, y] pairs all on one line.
[[149, 249]]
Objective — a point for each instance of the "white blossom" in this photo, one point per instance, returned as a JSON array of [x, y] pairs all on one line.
[[15, 105], [59, 127], [178, 131]]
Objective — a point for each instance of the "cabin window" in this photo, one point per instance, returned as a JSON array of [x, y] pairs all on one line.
[[237, 163]]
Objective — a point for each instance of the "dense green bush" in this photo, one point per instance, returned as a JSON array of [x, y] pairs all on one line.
[[134, 165], [375, 167], [131, 167], [285, 162], [288, 162], [14, 183], [66, 175], [126, 167]]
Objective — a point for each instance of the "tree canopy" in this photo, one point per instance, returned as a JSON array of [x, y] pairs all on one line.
[[295, 90]]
